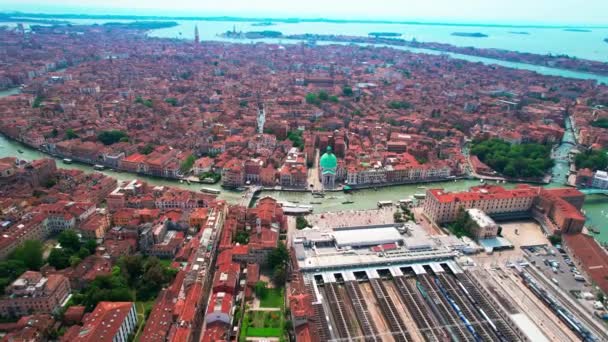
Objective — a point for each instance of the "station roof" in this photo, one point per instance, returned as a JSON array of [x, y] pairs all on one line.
[[362, 237]]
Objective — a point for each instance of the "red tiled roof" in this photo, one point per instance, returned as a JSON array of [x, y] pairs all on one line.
[[591, 255]]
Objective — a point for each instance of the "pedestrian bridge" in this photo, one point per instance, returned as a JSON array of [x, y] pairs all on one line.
[[594, 191]]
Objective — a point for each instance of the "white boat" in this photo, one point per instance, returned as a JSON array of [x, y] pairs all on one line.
[[419, 196], [210, 191], [67, 161], [98, 167], [382, 204]]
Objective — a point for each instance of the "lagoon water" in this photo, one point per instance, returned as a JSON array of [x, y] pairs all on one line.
[[588, 45], [541, 40]]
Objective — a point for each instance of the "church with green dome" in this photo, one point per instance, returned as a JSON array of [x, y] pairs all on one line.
[[328, 163]]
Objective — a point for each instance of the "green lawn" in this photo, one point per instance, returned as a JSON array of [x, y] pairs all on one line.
[[166, 262], [263, 324], [140, 308], [273, 298]]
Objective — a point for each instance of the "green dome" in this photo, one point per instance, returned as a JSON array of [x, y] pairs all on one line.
[[328, 160]]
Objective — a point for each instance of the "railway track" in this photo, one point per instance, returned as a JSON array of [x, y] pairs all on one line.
[[345, 328], [428, 327], [479, 323], [443, 311], [396, 325], [534, 309], [504, 330], [368, 327]]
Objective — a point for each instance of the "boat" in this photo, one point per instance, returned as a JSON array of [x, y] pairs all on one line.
[[98, 167], [382, 204], [20, 151], [317, 194], [333, 197], [422, 187], [67, 161], [315, 202], [348, 202], [210, 191], [419, 196]]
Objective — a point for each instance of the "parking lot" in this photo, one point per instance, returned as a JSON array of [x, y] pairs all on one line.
[[555, 266]]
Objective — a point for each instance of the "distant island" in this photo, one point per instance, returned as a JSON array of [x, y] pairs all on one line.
[[142, 25], [384, 34], [264, 23], [470, 34], [519, 32], [15, 16], [252, 34], [576, 30]]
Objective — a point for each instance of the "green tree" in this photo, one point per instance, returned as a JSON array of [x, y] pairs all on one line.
[[241, 237], [279, 276], [312, 98], [529, 160], [172, 101], [149, 148], [37, 101], [70, 134], [301, 222], [30, 254], [111, 137], [69, 240], [296, 138], [187, 164], [398, 217], [74, 260], [592, 159], [347, 91], [90, 245], [278, 256], [399, 105], [132, 267], [59, 258], [323, 96], [260, 289], [334, 99]]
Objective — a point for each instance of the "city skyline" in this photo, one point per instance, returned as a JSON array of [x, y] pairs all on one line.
[[515, 12]]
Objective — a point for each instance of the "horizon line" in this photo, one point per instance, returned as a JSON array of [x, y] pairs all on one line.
[[286, 19]]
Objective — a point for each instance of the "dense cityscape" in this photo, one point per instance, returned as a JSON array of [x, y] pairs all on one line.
[[87, 257]]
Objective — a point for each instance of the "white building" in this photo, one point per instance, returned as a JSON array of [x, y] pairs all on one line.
[[485, 227], [600, 180]]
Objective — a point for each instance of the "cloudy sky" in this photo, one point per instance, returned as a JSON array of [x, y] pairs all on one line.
[[588, 12]]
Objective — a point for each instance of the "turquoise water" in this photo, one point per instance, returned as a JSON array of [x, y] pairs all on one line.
[[588, 45]]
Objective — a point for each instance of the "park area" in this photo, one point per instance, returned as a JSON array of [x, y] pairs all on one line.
[[272, 298], [263, 324]]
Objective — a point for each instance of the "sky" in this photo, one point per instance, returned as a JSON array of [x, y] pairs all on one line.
[[576, 12]]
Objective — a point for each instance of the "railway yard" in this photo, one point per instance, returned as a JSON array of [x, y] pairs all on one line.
[[399, 283], [440, 302]]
